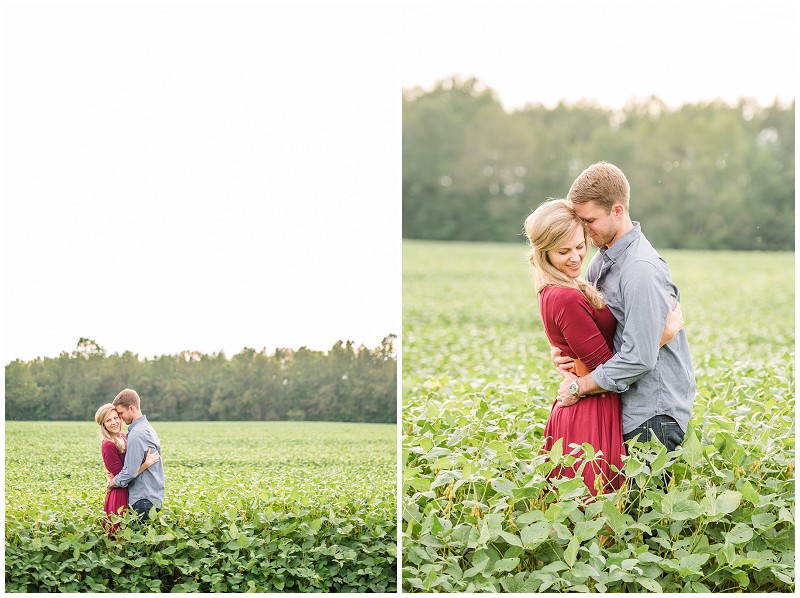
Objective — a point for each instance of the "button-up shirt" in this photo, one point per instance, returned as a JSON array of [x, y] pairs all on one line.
[[638, 289], [150, 483]]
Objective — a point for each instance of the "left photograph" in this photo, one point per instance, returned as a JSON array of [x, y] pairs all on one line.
[[202, 298]]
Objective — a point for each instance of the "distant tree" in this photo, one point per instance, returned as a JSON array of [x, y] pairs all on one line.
[[344, 384], [703, 176]]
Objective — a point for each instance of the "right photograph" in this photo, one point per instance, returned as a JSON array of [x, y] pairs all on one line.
[[598, 338]]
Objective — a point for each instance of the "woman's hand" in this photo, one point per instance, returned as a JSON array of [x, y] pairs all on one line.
[[151, 458], [674, 324], [564, 364]]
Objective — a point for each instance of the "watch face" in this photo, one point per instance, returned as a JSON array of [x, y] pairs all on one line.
[[573, 387]]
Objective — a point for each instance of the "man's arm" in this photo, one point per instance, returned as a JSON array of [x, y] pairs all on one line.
[[134, 456], [646, 307]]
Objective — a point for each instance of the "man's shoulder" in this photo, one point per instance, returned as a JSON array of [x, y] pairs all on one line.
[[641, 252]]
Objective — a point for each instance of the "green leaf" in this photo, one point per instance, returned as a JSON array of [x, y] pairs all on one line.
[[503, 486], [749, 493], [571, 488], [512, 539], [691, 449], [763, 520], [571, 551], [649, 584], [505, 565], [728, 501], [478, 567], [586, 530], [533, 535], [740, 534], [617, 520], [691, 564], [557, 451]]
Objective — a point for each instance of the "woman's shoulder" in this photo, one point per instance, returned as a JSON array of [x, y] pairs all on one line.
[[563, 293], [563, 299]]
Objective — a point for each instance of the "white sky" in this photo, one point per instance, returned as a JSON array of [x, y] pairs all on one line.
[[200, 177], [206, 177], [610, 52]]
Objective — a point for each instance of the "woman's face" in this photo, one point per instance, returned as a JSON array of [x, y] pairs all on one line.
[[112, 423], [568, 257]]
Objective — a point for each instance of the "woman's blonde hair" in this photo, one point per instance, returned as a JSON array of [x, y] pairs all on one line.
[[548, 227], [100, 417]]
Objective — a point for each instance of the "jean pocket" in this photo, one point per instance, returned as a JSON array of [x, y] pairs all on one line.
[[671, 434]]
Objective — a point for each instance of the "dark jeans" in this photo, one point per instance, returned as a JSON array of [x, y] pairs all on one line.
[[665, 429], [142, 508]]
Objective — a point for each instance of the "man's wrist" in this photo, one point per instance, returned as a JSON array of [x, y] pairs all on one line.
[[575, 388]]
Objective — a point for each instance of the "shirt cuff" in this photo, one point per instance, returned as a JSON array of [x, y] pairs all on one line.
[[119, 483], [603, 381]]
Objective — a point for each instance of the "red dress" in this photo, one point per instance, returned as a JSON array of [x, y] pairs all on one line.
[[117, 498], [581, 331]]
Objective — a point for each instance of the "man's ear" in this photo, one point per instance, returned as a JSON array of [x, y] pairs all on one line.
[[618, 209]]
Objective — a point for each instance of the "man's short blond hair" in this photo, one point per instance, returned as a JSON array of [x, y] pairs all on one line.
[[602, 183], [127, 398]]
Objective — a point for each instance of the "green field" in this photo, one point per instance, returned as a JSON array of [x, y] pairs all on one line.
[[249, 506], [478, 511]]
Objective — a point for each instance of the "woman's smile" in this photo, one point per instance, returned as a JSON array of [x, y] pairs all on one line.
[[568, 258]]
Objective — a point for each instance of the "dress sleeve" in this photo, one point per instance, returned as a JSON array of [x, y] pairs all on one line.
[[111, 458], [574, 317]]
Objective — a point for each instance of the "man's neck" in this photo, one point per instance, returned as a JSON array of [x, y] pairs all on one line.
[[625, 228]]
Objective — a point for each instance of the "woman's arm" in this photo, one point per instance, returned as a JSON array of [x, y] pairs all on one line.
[[112, 458], [672, 327], [674, 324], [149, 459], [574, 317]]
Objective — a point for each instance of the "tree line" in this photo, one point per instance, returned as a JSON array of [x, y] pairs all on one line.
[[703, 176], [347, 383]]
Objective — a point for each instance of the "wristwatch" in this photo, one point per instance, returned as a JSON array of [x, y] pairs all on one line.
[[573, 388]]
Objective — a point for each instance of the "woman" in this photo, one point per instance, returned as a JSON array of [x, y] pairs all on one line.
[[112, 446], [578, 322]]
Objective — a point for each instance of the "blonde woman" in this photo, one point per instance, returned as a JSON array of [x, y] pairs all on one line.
[[112, 447], [577, 321]]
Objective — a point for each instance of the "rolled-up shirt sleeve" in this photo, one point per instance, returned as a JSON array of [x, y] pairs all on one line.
[[646, 299], [134, 457]]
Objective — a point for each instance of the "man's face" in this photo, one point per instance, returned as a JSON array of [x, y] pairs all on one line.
[[124, 414], [603, 227]]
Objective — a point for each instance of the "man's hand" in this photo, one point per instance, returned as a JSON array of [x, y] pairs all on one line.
[[563, 363], [565, 397]]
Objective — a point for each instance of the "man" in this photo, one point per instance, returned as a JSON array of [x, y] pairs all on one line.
[[146, 489], [658, 384]]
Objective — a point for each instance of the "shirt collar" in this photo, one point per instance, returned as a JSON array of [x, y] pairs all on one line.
[[614, 252], [136, 421]]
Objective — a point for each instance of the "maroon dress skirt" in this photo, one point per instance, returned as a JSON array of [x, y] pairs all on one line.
[[116, 499], [585, 333]]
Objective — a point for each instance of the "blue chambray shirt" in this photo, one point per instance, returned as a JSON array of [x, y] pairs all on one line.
[[637, 287], [150, 483]]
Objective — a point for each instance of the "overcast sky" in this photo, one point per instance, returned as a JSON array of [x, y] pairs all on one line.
[[217, 177], [200, 177], [609, 52]]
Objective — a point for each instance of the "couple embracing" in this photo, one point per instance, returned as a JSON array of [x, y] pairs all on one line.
[[617, 334], [133, 461]]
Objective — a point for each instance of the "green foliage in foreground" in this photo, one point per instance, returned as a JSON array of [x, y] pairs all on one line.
[[479, 513], [263, 507]]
